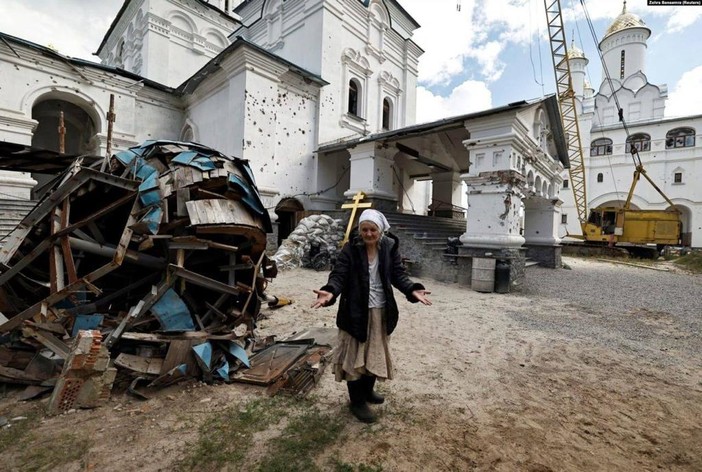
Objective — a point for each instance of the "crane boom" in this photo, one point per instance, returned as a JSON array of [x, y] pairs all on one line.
[[566, 105]]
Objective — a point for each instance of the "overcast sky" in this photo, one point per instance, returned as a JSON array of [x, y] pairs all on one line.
[[488, 54]]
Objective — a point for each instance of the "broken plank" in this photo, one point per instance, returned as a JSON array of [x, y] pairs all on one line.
[[642, 266], [142, 365], [202, 281], [10, 375], [166, 338], [55, 257], [53, 343], [139, 309], [180, 352]]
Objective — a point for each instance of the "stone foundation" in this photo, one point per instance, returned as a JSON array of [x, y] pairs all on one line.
[[272, 239], [546, 256], [383, 205], [448, 213], [516, 258]]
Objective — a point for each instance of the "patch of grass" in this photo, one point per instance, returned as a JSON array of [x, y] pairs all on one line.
[[301, 440], [9, 436], [51, 453], [692, 262], [225, 438], [346, 467]]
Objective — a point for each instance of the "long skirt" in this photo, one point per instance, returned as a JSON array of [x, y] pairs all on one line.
[[372, 357]]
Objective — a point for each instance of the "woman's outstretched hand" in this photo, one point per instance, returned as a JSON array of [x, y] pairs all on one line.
[[421, 295], [323, 297]]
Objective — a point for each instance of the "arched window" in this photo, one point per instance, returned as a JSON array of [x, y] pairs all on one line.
[[680, 137], [641, 142], [600, 177], [387, 114], [601, 147], [354, 94], [621, 65]]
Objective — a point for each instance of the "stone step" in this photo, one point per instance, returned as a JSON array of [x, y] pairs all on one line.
[[11, 214], [22, 205], [433, 223], [404, 218], [428, 227], [433, 235]]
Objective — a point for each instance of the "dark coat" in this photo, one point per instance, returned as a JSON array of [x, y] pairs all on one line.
[[350, 280]]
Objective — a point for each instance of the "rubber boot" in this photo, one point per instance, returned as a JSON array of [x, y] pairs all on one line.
[[359, 407], [371, 395]]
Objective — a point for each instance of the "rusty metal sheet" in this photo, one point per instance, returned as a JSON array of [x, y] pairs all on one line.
[[319, 335], [271, 363], [300, 378]]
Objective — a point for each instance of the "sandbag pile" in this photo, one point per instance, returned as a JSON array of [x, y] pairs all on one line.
[[313, 233]]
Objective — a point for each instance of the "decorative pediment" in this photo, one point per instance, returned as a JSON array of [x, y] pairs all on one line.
[[356, 61], [389, 81]]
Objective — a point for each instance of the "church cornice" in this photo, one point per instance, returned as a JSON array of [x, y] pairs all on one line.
[[212, 13], [119, 25]]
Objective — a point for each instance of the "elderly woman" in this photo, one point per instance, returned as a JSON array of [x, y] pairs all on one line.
[[365, 271]]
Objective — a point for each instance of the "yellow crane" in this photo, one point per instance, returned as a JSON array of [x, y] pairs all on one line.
[[609, 224]]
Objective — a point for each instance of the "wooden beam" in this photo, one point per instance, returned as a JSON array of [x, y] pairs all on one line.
[[202, 281], [66, 246]]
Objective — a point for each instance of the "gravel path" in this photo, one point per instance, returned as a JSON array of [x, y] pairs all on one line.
[[637, 309]]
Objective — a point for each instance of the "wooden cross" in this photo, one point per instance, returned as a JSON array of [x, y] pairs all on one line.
[[62, 134], [354, 206], [111, 117]]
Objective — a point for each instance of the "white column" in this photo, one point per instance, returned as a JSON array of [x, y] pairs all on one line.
[[446, 191], [16, 128], [493, 219], [371, 172], [541, 221]]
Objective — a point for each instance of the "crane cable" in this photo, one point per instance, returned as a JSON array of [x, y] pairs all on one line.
[[597, 110], [531, 58], [633, 151]]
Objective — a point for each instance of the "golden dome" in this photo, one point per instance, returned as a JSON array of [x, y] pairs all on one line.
[[625, 21], [574, 52]]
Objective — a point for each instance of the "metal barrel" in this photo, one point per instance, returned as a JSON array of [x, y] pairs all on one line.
[[483, 274]]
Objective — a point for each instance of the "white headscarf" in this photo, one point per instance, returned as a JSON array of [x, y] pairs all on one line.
[[374, 216]]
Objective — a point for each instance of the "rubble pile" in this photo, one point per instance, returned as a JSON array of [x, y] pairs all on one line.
[[151, 262]]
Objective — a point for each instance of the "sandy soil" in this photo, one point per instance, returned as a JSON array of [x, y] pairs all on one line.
[[476, 388]]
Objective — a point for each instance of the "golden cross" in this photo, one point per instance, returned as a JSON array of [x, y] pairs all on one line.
[[354, 206]]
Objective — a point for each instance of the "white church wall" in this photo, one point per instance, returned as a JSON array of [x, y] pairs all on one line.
[[661, 165], [269, 118], [280, 134], [166, 41], [630, 41], [216, 110], [142, 112], [157, 115], [340, 45]]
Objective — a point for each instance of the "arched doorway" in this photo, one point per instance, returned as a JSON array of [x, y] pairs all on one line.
[[80, 130], [617, 204], [686, 220], [289, 211]]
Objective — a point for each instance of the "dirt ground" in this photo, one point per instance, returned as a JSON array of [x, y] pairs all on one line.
[[476, 388]]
